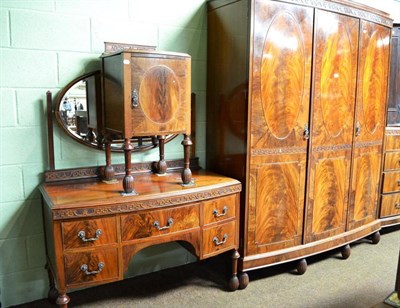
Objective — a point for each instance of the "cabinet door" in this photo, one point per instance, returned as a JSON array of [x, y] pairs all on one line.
[[279, 115], [160, 95], [334, 89], [369, 123]]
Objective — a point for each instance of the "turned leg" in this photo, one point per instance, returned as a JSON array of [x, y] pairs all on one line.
[[186, 172], [53, 293], [234, 281], [128, 178], [375, 238], [346, 251], [161, 165], [301, 266], [109, 172]]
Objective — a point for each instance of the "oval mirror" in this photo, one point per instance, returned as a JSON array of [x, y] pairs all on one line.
[[78, 112]]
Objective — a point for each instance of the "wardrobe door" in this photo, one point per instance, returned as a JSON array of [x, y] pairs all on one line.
[[334, 89], [369, 123], [278, 124]]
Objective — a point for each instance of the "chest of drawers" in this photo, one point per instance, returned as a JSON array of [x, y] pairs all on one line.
[[92, 232], [390, 202]]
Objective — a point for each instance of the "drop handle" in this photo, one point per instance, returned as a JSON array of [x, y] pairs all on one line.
[[223, 213], [82, 236], [397, 206], [306, 132], [358, 129], [217, 242], [84, 268], [170, 222], [135, 99]]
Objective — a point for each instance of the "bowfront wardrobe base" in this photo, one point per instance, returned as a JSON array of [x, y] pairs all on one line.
[[92, 232]]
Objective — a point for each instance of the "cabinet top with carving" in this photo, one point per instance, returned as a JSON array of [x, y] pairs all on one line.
[[93, 198]]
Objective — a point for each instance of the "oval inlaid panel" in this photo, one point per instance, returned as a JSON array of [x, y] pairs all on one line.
[[282, 75], [336, 84], [159, 94], [374, 81]]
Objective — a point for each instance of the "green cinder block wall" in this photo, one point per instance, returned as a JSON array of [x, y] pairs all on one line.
[[44, 44]]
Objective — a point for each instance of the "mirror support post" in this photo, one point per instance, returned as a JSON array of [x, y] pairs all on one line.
[[128, 178], [50, 136], [109, 169]]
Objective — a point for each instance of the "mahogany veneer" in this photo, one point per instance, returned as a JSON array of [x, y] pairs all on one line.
[[296, 100], [92, 232]]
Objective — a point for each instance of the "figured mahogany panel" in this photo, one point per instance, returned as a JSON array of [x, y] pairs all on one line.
[[161, 87], [219, 209], [75, 274], [392, 140], [280, 87], [219, 238], [335, 73], [392, 161], [390, 205], [365, 184], [73, 238], [154, 223]]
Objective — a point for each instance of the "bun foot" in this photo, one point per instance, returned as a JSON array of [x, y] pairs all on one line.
[[301, 266], [346, 251], [375, 238], [233, 283], [243, 280], [62, 300]]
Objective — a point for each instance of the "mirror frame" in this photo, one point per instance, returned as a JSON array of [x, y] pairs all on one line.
[[116, 145]]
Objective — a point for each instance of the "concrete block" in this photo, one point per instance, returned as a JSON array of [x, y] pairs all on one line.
[[26, 68], [8, 108], [27, 145], [190, 41], [103, 8], [188, 13], [31, 106], [11, 183], [21, 218], [42, 5], [37, 30], [199, 69], [36, 251], [115, 30], [32, 177], [5, 29], [13, 255], [72, 65], [23, 287]]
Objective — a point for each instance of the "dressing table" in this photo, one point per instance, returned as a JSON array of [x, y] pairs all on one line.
[[97, 218]]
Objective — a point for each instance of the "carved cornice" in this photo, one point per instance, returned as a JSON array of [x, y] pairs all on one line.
[[145, 204], [344, 9], [278, 151], [326, 148]]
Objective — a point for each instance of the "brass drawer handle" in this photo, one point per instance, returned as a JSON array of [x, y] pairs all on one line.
[[398, 182], [217, 242], [397, 206], [306, 132], [170, 222], [84, 268], [82, 236], [217, 214]]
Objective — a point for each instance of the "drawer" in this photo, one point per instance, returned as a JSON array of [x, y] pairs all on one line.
[[219, 238], [390, 205], [154, 223], [392, 142], [391, 181], [392, 161], [91, 266], [89, 233], [219, 209]]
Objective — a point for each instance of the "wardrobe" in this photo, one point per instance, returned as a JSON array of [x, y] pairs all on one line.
[[296, 110]]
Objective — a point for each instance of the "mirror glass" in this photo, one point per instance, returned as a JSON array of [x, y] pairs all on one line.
[[78, 113]]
